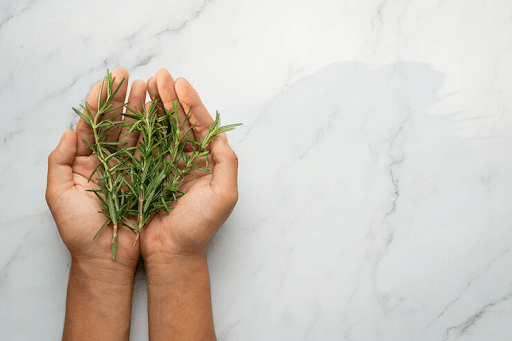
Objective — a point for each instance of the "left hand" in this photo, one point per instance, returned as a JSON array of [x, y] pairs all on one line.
[[197, 216]]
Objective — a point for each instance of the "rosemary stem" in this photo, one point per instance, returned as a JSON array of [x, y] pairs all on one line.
[[140, 222], [99, 151], [114, 234], [136, 240]]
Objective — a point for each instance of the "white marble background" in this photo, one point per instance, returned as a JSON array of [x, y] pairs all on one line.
[[375, 159]]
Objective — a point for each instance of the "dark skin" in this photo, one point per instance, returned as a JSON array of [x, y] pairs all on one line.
[[173, 244]]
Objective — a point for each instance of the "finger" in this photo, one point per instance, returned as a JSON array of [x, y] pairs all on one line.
[[135, 103], [120, 76], [152, 88], [225, 171], [199, 116], [83, 130], [165, 85], [60, 174], [153, 94]]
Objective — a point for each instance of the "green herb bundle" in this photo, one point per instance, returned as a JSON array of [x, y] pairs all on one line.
[[137, 182]]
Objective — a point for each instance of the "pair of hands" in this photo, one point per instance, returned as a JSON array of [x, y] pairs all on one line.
[[186, 230]]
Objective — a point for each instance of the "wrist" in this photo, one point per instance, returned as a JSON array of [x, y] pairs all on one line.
[[170, 254], [98, 304], [179, 298], [167, 269], [104, 271]]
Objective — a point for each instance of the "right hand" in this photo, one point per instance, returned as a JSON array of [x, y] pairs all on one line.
[[73, 207]]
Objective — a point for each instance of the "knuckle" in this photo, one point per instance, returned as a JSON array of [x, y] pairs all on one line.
[[232, 198], [51, 157], [235, 197], [228, 198], [233, 157], [48, 196]]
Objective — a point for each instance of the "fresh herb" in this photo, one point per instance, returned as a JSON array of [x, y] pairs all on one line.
[[136, 183]]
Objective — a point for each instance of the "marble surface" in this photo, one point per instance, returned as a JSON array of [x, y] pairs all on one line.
[[375, 159]]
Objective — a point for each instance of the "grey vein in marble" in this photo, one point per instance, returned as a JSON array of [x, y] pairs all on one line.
[[374, 159]]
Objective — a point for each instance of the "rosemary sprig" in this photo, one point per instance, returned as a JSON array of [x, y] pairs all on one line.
[[110, 168], [136, 183]]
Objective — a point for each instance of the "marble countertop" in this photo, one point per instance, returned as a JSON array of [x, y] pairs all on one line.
[[375, 159]]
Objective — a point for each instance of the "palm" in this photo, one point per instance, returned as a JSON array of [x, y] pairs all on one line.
[[79, 208], [188, 225], [102, 245]]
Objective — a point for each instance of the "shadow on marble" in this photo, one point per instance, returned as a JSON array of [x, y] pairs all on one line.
[[353, 196]]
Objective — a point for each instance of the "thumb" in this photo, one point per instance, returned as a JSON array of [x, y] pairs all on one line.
[[225, 171], [60, 174]]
